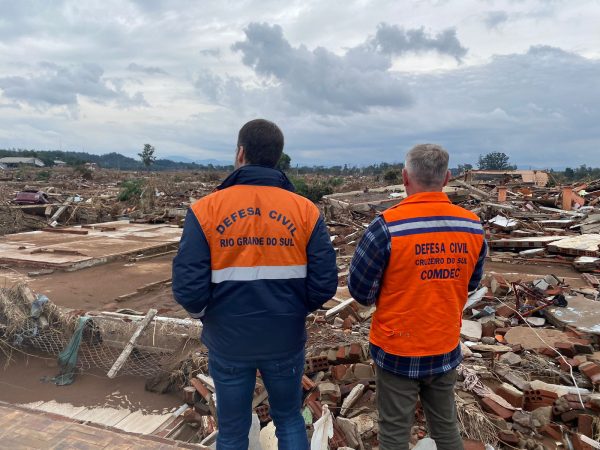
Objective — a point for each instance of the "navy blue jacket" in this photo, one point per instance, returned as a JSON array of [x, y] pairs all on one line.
[[258, 319]]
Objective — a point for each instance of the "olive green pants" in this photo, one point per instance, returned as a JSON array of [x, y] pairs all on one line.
[[396, 401]]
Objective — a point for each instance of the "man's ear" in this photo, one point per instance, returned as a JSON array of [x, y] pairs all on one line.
[[405, 177], [240, 156], [448, 175]]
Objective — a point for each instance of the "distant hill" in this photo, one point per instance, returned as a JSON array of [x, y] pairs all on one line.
[[114, 160]]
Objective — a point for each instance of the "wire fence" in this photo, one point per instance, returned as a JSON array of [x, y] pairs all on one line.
[[165, 347]]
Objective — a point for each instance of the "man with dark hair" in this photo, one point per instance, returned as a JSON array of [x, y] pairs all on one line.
[[416, 262], [253, 261], [262, 142]]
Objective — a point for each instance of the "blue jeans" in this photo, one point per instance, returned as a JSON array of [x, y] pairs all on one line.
[[234, 384]]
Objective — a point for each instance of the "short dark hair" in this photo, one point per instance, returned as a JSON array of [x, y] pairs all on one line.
[[262, 141]]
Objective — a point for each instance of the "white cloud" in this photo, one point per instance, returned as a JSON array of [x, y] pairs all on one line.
[[341, 88]]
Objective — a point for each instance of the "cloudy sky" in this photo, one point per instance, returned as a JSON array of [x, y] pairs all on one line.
[[348, 81]]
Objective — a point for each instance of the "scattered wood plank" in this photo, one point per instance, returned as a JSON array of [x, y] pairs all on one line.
[[473, 189], [66, 230], [53, 220], [131, 344], [336, 309]]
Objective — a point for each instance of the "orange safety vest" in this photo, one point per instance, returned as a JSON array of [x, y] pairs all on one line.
[[435, 246], [256, 232]]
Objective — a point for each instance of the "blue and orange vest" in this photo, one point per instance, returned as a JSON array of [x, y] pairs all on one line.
[[256, 232], [435, 246]]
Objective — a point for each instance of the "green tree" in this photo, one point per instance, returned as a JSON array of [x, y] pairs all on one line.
[[464, 167], [284, 162], [130, 189], [147, 155], [569, 173], [393, 176], [495, 161]]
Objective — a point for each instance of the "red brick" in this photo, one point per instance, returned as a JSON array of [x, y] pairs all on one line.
[[342, 354], [576, 405], [494, 408], [356, 352], [515, 399], [313, 396], [553, 431], [316, 408], [516, 348], [591, 370], [585, 425], [307, 383], [542, 393], [565, 348], [536, 399], [347, 325], [470, 444], [339, 372], [202, 390], [574, 362], [499, 286], [508, 437], [562, 362], [504, 311], [567, 363], [570, 416], [578, 444], [191, 416], [575, 398], [546, 352], [581, 341], [316, 364], [338, 439], [488, 329]]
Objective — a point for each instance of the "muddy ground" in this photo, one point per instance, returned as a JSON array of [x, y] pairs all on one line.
[[98, 288], [27, 379]]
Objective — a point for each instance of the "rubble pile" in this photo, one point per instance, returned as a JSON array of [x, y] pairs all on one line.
[[534, 350], [150, 198], [531, 367], [529, 378], [551, 225]]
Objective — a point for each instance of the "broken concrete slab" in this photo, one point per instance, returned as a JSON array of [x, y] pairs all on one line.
[[382, 198], [586, 263], [581, 313], [536, 321], [583, 245], [471, 330], [510, 358], [490, 348], [528, 338], [526, 242], [74, 252]]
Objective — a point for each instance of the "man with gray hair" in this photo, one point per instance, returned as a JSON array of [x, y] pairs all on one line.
[[416, 262]]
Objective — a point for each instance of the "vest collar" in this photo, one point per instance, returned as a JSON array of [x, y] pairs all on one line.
[[426, 197], [256, 175]]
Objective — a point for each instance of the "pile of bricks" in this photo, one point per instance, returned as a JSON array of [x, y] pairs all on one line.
[[545, 382], [527, 389]]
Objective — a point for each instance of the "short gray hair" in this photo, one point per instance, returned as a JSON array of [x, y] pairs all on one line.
[[427, 164]]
